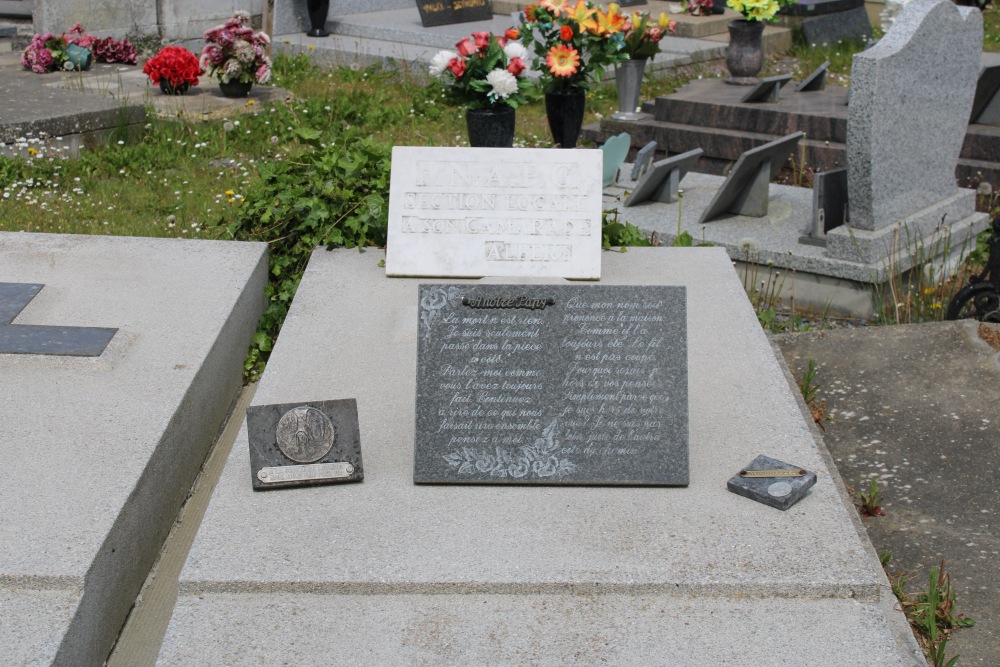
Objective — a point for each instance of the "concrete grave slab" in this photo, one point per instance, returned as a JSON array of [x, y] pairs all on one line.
[[495, 212], [100, 452], [418, 574]]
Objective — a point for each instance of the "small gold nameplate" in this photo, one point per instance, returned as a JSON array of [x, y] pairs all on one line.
[[774, 472]]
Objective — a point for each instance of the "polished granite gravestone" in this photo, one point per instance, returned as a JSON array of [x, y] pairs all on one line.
[[911, 98], [471, 212], [391, 573], [557, 384], [100, 451]]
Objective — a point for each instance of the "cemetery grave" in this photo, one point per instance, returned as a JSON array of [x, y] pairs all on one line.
[[388, 553]]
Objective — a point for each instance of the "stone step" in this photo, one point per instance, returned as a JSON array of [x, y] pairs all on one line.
[[18, 9], [7, 34]]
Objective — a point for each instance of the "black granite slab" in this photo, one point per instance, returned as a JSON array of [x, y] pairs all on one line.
[[767, 90], [816, 79], [304, 444], [552, 384], [779, 492], [41, 339], [14, 297]]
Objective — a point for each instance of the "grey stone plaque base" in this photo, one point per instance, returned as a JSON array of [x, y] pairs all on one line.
[[100, 452], [779, 492], [547, 575]]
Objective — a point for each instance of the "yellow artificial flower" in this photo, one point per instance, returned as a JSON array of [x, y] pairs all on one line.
[[663, 21], [610, 23], [583, 15], [557, 7]]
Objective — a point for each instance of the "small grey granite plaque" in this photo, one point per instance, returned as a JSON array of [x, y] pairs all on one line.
[[643, 159], [776, 491], [767, 90], [552, 384], [303, 444], [816, 80], [662, 180], [39, 339], [746, 189]]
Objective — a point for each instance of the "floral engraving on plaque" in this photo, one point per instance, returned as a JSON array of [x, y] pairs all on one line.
[[433, 301], [538, 459]]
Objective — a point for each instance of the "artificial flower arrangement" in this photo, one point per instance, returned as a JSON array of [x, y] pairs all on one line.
[[45, 53], [48, 52], [484, 71], [174, 65], [235, 52], [758, 10], [573, 44], [700, 7], [642, 40]]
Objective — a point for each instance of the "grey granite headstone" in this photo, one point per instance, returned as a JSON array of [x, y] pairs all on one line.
[[745, 190], [767, 89], [986, 103], [662, 180], [552, 384], [304, 444], [911, 99], [779, 492], [816, 80], [44, 339], [643, 159]]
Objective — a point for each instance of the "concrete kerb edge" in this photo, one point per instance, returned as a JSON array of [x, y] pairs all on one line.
[[896, 620], [118, 573]]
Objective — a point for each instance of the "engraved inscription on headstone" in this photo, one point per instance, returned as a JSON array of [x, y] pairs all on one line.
[[474, 212], [299, 444], [44, 339], [552, 384]]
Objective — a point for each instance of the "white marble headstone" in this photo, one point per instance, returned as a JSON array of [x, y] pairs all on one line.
[[475, 212]]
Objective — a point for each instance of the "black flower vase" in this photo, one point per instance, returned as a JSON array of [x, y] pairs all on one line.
[[235, 88], [179, 89], [564, 109], [491, 128], [745, 55]]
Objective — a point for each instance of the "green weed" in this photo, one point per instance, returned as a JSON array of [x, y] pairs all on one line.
[[870, 504], [932, 614]]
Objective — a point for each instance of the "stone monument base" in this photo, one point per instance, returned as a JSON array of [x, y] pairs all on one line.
[[101, 451], [389, 572], [843, 278]]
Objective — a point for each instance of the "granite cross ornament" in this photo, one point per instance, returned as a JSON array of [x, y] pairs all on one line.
[[43, 339]]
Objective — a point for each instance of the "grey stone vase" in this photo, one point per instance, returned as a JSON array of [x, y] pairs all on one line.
[[745, 55], [628, 78], [491, 128]]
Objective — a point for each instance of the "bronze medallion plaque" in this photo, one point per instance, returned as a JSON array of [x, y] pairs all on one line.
[[300, 444]]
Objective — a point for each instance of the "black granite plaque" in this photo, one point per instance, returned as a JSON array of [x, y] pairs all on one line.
[[767, 90], [446, 12], [772, 488], [816, 79], [552, 384], [987, 89], [304, 444], [39, 339]]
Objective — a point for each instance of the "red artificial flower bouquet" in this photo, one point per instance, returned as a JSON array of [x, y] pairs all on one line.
[[174, 68]]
